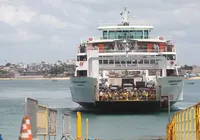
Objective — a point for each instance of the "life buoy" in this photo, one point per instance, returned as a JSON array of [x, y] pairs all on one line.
[[172, 62], [81, 63], [161, 38], [90, 39]]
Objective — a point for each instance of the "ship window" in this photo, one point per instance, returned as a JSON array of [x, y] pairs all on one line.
[[152, 62], [139, 34], [123, 62], [146, 34], [117, 62], [81, 73], [132, 34], [125, 34], [105, 61], [152, 72], [146, 61], [129, 62], [111, 62], [171, 57], [119, 34], [111, 34], [104, 34], [100, 61], [82, 49], [134, 61], [82, 58], [140, 61], [170, 72]]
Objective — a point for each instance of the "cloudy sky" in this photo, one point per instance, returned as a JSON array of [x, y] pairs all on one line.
[[50, 30]]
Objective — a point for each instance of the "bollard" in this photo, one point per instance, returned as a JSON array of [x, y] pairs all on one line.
[[79, 127], [1, 137], [86, 129]]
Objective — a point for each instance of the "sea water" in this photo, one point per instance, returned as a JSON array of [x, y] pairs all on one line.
[[57, 95]]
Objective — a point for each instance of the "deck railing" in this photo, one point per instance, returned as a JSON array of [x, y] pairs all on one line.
[[124, 37], [134, 50], [185, 124], [137, 50]]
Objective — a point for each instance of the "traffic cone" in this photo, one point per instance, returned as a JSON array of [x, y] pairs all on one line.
[[27, 119], [23, 132]]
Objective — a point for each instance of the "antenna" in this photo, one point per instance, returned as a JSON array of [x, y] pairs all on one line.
[[125, 17]]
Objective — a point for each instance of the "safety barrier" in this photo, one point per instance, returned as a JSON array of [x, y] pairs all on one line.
[[185, 124], [43, 120]]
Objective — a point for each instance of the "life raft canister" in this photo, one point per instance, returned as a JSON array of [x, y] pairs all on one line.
[[81, 64], [90, 39]]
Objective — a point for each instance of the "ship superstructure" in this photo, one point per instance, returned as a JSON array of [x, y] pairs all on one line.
[[126, 54]]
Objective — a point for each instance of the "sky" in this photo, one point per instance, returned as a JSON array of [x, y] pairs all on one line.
[[50, 30]]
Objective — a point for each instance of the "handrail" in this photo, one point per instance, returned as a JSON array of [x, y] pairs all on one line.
[[185, 124], [118, 22]]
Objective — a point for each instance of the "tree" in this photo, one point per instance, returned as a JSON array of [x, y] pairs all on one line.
[[3, 72], [8, 64]]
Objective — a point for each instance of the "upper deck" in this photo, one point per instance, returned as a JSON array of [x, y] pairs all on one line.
[[110, 26], [112, 38], [125, 37]]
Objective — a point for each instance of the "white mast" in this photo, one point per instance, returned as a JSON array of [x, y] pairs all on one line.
[[125, 17]]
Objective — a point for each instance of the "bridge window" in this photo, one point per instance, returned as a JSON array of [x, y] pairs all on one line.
[[146, 34], [139, 34], [82, 58], [111, 34], [119, 34], [132, 34], [125, 34], [105, 35]]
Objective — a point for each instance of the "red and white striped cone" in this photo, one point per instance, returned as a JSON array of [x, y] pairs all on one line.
[[24, 132], [27, 119]]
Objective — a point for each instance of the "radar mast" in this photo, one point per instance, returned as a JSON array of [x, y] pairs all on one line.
[[125, 17]]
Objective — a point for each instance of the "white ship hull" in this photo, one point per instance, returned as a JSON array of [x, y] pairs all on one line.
[[84, 91], [172, 86]]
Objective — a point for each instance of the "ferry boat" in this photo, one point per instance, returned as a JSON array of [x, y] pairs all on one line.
[[126, 55]]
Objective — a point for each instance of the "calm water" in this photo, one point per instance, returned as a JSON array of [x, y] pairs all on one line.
[[57, 95]]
